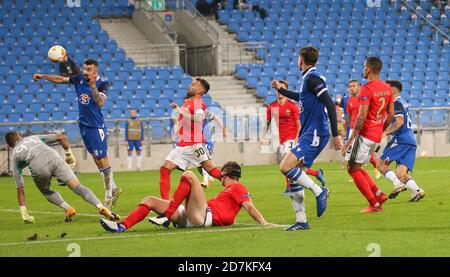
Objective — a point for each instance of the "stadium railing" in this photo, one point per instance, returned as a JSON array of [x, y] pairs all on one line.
[[246, 126], [253, 49], [163, 54]]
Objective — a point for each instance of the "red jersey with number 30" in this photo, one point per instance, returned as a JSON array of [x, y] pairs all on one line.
[[377, 95], [227, 204], [286, 117], [353, 109], [191, 132]]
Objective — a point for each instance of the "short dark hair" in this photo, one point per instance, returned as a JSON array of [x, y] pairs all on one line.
[[11, 138], [395, 84], [309, 54], [353, 81], [91, 62], [284, 83], [232, 170], [204, 83], [375, 64]]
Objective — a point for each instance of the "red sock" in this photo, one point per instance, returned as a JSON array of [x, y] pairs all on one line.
[[216, 173], [362, 185], [136, 216], [373, 187], [164, 183], [288, 183], [182, 191], [373, 160], [312, 172]]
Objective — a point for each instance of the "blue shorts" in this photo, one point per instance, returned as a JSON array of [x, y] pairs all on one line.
[[309, 148], [134, 144], [210, 146], [95, 141], [404, 154]]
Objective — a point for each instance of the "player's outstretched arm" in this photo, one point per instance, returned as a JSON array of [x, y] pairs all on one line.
[[254, 213], [289, 94], [64, 142], [220, 123], [52, 78]]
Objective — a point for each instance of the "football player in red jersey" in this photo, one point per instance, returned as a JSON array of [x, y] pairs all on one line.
[[287, 118], [376, 101], [190, 147], [352, 113], [197, 211]]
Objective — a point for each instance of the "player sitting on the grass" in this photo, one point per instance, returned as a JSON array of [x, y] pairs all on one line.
[[197, 211], [401, 149], [287, 118], [44, 163]]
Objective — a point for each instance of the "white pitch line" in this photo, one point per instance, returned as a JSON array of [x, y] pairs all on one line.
[[221, 230], [92, 215]]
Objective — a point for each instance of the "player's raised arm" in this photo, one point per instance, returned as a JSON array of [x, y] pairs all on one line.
[[57, 79], [197, 117], [289, 94], [220, 123]]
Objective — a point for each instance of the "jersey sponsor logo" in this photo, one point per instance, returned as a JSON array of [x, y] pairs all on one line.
[[84, 99]]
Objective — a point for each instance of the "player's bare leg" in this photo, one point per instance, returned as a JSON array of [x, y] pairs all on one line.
[[87, 195], [112, 192], [196, 203], [211, 169], [399, 186], [402, 173], [164, 178]]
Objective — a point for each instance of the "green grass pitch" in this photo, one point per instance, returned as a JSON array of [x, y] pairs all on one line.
[[403, 229]]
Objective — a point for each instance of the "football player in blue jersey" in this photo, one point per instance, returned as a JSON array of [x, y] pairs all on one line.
[[317, 111], [401, 149], [91, 92]]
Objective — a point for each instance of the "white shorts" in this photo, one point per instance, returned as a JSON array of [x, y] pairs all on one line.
[[361, 150], [183, 156], [183, 221], [287, 146]]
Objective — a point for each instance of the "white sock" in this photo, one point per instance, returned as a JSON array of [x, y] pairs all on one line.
[[113, 184], [130, 162], [298, 204], [139, 161], [205, 175], [411, 185], [390, 175], [64, 205], [308, 183]]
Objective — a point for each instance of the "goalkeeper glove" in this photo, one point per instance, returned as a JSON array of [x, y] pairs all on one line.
[[26, 217], [70, 159]]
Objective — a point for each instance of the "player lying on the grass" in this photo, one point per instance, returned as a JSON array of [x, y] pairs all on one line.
[[44, 163], [92, 93], [376, 105], [401, 149], [317, 118], [352, 111], [287, 118], [190, 149], [197, 211]]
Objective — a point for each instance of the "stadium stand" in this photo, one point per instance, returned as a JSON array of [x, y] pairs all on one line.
[[346, 32], [30, 27]]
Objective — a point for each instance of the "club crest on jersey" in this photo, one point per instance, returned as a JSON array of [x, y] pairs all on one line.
[[288, 112], [84, 99]]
